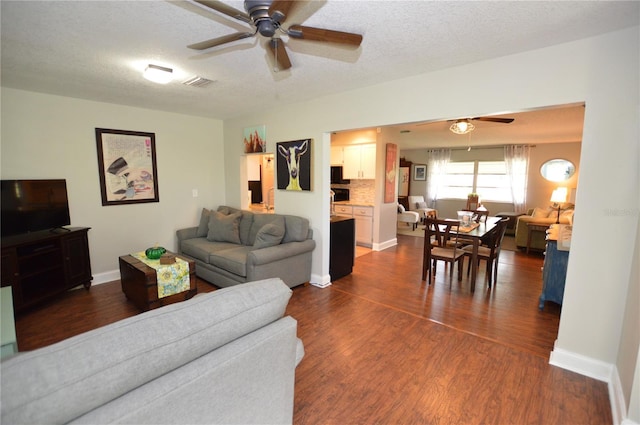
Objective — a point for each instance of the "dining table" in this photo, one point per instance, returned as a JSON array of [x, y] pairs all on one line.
[[474, 234]]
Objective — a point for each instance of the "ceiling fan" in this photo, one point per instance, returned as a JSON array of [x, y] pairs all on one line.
[[464, 125], [266, 17]]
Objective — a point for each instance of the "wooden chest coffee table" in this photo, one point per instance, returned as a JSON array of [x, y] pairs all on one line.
[[140, 285]]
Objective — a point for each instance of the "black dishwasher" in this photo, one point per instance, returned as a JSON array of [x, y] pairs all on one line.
[[342, 247]]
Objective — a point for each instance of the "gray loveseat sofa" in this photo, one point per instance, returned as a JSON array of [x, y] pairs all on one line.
[[232, 246], [228, 356]]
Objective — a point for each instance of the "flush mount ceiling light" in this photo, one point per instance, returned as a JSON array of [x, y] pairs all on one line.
[[462, 127], [158, 74]]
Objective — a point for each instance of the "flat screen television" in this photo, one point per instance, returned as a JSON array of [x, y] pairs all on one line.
[[33, 205]]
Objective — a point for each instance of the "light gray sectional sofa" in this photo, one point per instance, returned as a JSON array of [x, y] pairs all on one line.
[[232, 246], [227, 356]]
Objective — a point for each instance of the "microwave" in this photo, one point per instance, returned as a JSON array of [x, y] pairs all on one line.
[[336, 175]]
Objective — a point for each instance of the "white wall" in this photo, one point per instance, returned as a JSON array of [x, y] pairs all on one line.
[[539, 191], [601, 71], [46, 136]]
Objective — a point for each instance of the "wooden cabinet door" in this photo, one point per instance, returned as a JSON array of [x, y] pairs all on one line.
[[77, 263]]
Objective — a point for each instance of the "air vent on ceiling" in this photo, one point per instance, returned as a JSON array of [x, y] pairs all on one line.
[[197, 82]]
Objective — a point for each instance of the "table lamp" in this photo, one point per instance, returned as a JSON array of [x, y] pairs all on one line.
[[559, 196]]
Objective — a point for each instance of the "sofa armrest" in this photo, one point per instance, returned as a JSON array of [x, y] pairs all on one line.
[[279, 252], [188, 233]]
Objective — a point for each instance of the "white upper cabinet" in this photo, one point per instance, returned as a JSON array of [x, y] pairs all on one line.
[[337, 156], [359, 161]]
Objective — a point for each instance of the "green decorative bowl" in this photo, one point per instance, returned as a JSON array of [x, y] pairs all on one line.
[[155, 252]]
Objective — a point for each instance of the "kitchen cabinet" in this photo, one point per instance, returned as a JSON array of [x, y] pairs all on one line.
[[343, 210], [363, 216], [364, 225], [337, 156], [359, 161]]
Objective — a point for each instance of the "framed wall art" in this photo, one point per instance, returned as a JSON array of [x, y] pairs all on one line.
[[419, 172], [293, 165], [255, 139], [390, 172], [127, 166]]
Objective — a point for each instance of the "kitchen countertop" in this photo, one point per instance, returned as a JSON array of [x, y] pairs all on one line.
[[354, 203]]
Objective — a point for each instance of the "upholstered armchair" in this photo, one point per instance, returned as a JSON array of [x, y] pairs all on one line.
[[409, 217], [417, 204]]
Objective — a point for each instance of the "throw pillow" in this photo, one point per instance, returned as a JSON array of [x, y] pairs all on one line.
[[421, 205], [203, 227], [540, 213], [224, 228], [269, 235], [401, 208]]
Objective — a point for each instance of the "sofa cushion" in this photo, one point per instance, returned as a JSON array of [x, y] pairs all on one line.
[[224, 228], [203, 227], [541, 212], [201, 248], [297, 229], [233, 260], [58, 383], [259, 220], [269, 235], [245, 222]]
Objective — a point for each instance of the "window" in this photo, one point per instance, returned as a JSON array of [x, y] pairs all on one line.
[[487, 178]]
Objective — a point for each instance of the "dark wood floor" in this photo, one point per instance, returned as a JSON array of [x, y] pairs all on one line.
[[383, 347]]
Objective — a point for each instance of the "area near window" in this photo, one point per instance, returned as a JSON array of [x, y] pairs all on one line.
[[487, 178]]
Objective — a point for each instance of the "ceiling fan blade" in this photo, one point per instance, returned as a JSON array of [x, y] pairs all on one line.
[[203, 45], [276, 46], [319, 34], [494, 119], [225, 9], [281, 9]]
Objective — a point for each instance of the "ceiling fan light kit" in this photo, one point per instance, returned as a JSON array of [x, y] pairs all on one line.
[[266, 17], [158, 74], [462, 127]]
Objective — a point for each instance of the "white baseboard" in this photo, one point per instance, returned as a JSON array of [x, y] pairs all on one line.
[[599, 370], [384, 245], [320, 281], [105, 277], [616, 398], [583, 365]]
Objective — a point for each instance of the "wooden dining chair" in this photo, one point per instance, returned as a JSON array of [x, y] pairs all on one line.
[[441, 244], [489, 252], [479, 215]]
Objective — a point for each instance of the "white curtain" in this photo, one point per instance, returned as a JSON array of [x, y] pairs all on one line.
[[516, 158], [436, 167]]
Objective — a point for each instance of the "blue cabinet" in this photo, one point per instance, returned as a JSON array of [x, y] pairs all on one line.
[[554, 273]]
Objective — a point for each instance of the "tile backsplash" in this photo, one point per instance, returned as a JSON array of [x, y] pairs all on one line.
[[360, 190]]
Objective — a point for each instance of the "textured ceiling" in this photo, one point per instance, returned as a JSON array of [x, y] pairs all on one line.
[[97, 49]]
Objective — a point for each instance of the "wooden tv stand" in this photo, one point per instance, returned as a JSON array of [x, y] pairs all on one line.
[[41, 265]]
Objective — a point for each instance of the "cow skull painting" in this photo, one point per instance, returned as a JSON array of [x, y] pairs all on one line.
[[294, 165]]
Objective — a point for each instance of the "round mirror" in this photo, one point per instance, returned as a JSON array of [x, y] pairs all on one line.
[[558, 170]]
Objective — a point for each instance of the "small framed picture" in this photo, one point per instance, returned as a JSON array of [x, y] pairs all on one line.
[[419, 172]]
